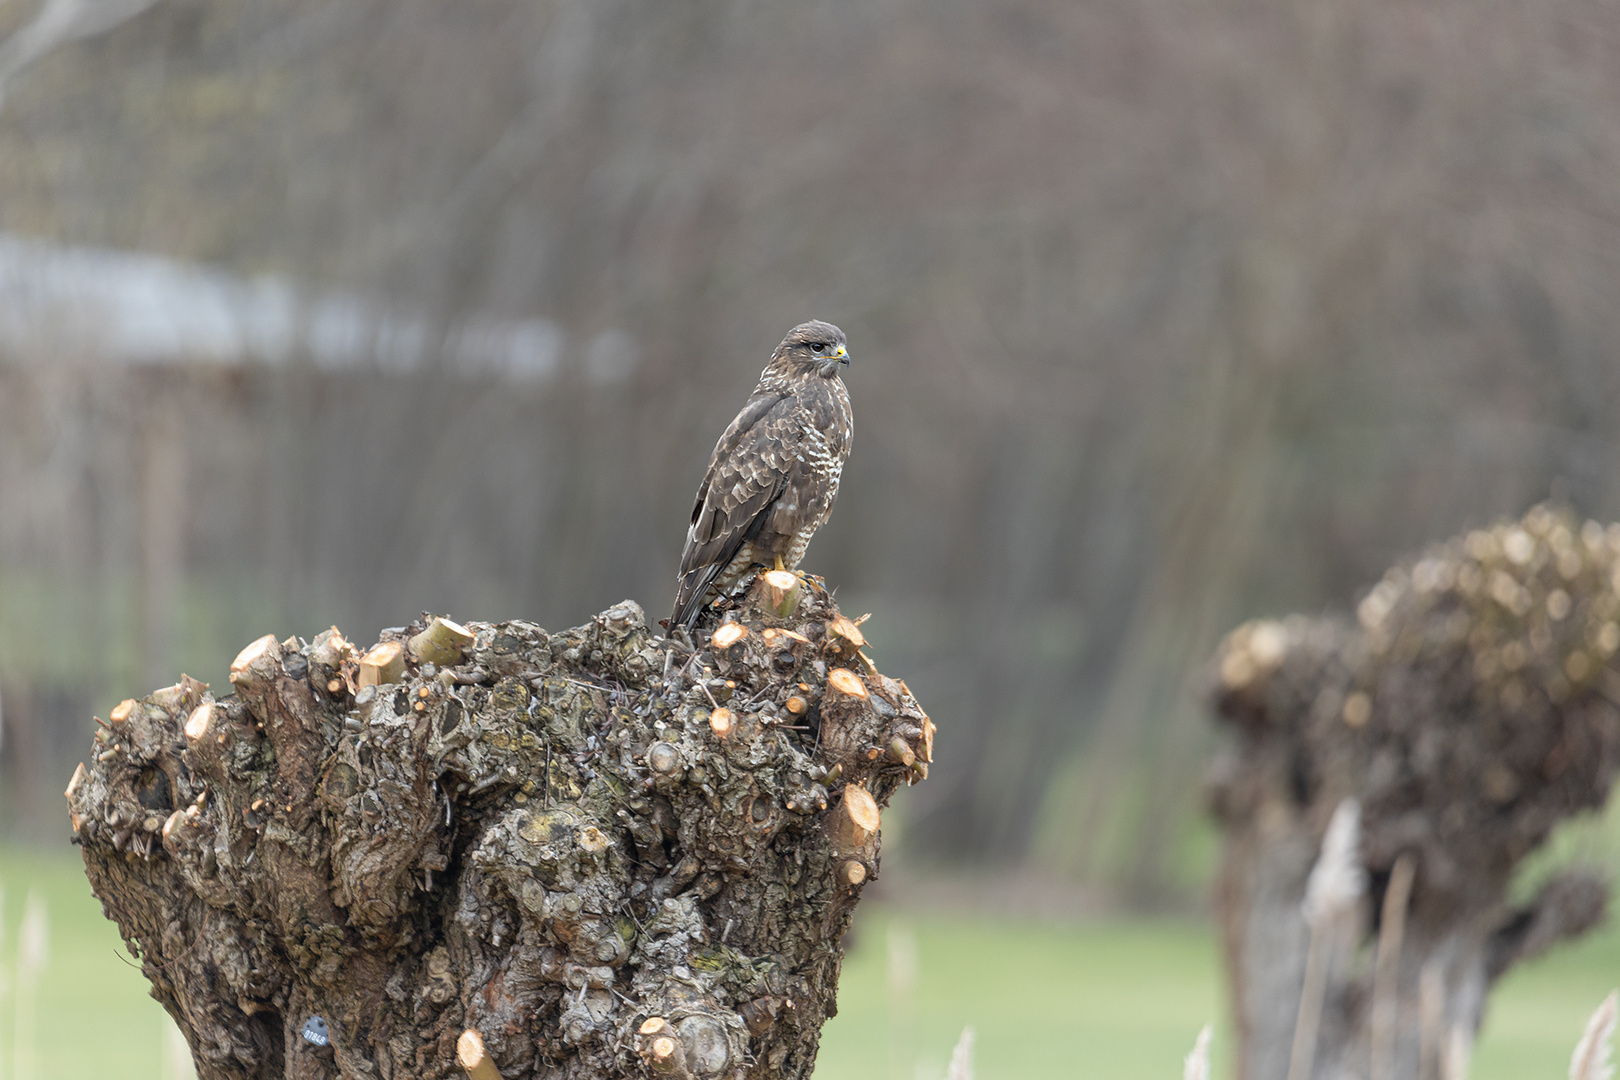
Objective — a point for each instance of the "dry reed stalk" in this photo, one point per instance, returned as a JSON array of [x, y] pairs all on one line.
[[1591, 1058], [1431, 1014], [1196, 1066], [902, 944], [1458, 1051], [1387, 967], [33, 946], [1310, 1006], [4, 983], [961, 1067], [1331, 894]]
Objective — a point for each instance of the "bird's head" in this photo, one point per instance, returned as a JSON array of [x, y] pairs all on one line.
[[813, 346]]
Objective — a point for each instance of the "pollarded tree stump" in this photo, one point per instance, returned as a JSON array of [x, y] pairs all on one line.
[[601, 852], [1475, 705]]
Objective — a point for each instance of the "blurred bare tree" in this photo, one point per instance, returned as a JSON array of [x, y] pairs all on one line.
[[1164, 314]]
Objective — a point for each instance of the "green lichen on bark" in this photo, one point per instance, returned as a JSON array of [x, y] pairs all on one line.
[[552, 841]]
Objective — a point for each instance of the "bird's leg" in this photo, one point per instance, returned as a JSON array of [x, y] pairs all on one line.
[[779, 565]]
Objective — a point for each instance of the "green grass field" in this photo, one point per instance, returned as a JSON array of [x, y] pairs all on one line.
[[1119, 998]]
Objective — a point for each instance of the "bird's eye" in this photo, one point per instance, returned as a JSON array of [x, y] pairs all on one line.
[[818, 346]]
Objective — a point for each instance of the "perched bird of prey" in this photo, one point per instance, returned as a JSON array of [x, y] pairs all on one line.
[[774, 473]]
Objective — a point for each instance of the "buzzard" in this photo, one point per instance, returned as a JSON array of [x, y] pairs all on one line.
[[774, 473]]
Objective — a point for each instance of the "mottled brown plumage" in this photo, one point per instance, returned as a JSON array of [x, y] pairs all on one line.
[[774, 473]]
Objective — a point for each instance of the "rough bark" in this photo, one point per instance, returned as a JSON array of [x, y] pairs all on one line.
[[546, 840], [1471, 709]]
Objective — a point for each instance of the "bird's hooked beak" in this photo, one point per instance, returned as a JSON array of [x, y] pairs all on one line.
[[827, 365]]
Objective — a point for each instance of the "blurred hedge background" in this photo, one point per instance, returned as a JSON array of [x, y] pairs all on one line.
[[1164, 313]]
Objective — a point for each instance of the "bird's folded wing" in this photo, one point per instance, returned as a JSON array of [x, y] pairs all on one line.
[[749, 469]]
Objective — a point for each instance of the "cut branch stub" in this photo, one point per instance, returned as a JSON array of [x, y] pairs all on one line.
[[256, 662], [728, 634], [776, 637], [198, 722], [667, 1057], [780, 591], [845, 637], [540, 844], [206, 735], [78, 779], [441, 644], [182, 695], [660, 1045], [330, 650], [855, 819], [473, 1058], [652, 1026], [663, 757], [846, 716], [846, 682], [74, 817], [382, 665]]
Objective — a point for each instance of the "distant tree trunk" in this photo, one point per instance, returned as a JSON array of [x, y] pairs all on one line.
[[595, 853], [1472, 709]]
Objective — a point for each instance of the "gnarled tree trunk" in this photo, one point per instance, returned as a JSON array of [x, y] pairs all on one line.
[[595, 853], [1472, 709]]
